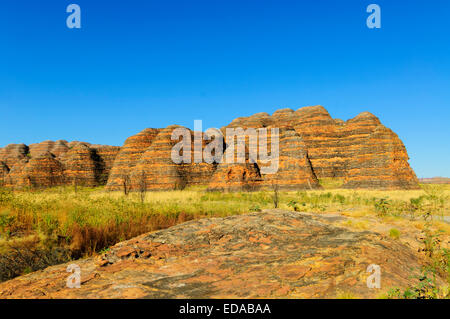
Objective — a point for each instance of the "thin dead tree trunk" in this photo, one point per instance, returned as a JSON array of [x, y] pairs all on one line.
[[142, 186]]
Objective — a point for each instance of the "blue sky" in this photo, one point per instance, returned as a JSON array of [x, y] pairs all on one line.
[[137, 64]]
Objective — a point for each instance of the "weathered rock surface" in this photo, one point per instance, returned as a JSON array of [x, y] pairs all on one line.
[[360, 152], [57, 163], [271, 254], [4, 171], [81, 165], [155, 168], [381, 161], [236, 177], [13, 154], [42, 170], [129, 155], [105, 156], [295, 170], [57, 148]]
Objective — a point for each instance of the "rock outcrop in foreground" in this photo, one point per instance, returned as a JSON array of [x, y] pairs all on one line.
[[271, 254], [361, 153]]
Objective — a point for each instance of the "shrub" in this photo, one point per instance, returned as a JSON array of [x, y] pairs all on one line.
[[293, 204], [382, 207], [394, 233], [27, 256]]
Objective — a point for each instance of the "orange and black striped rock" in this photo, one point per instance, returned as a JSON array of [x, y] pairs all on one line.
[[239, 173], [322, 137], [145, 162], [14, 177], [4, 171], [130, 153], [62, 163], [236, 177], [81, 167], [294, 167], [361, 152], [349, 149], [105, 156], [198, 173], [336, 148], [381, 162], [157, 171], [12, 154], [57, 148], [41, 171]]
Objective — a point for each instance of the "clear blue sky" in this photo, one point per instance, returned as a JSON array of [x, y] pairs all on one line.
[[137, 64]]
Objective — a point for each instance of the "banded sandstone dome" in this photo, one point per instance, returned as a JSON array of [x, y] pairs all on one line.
[[360, 152]]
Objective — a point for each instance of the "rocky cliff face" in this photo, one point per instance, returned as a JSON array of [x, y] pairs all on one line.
[[57, 163], [13, 154], [4, 171], [361, 152], [129, 155]]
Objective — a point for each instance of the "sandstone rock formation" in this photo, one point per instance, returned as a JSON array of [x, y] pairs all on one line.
[[13, 154], [270, 254], [146, 161], [360, 152], [129, 155], [105, 156], [81, 167], [381, 161], [42, 170], [295, 170], [57, 163], [235, 177], [156, 167], [56, 148], [4, 171]]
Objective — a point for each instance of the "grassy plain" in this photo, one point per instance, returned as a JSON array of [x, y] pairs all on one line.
[[43, 227]]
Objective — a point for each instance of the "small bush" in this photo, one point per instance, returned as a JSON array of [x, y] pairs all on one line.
[[293, 205], [27, 256], [382, 207], [394, 233]]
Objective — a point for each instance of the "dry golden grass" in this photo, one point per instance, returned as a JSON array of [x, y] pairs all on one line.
[[90, 220]]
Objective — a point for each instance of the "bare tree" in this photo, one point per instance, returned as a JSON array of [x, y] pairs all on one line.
[[275, 196], [126, 184], [75, 184], [142, 186], [31, 182]]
